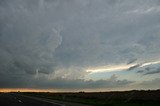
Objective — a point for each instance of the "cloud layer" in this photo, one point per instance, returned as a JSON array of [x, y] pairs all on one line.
[[52, 39]]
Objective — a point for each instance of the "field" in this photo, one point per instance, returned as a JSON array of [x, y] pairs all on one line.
[[116, 98]]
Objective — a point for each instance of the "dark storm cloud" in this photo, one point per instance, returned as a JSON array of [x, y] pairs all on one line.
[[155, 71], [63, 83], [61, 38], [149, 69], [131, 61], [28, 38], [109, 83], [80, 83], [140, 71], [134, 67]]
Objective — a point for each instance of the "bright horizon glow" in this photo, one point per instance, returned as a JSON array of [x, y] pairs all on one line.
[[118, 67], [24, 90]]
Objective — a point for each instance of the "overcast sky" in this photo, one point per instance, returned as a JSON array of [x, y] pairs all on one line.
[[92, 45]]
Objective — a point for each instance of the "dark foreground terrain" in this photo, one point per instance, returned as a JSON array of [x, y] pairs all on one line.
[[127, 98], [16, 99]]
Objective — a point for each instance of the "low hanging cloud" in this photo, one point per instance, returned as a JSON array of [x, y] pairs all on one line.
[[112, 82], [152, 84], [155, 71], [63, 83]]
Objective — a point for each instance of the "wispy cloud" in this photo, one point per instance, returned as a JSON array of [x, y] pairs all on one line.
[[131, 61], [153, 71], [133, 67], [150, 63], [111, 68], [129, 67]]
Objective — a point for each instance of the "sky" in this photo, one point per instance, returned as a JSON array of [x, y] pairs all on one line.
[[79, 45]]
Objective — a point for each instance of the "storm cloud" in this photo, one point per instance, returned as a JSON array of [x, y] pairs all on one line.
[[63, 83], [50, 39], [155, 71]]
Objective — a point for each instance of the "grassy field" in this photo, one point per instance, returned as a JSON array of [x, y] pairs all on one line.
[[126, 98]]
